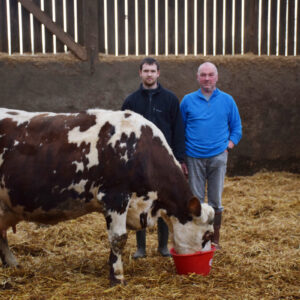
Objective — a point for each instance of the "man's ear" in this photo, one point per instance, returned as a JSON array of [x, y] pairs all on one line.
[[194, 207]]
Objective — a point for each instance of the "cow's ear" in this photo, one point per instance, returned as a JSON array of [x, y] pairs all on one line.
[[194, 207]]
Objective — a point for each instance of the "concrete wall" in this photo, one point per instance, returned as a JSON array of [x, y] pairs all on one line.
[[266, 90]]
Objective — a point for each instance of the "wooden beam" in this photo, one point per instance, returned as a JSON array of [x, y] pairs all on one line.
[[91, 36], [64, 37]]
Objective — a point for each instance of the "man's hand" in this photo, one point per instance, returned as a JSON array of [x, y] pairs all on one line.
[[184, 169], [230, 146]]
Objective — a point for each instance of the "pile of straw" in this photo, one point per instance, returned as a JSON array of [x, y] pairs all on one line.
[[259, 259]]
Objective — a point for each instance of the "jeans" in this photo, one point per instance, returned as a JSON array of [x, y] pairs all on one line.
[[210, 171]]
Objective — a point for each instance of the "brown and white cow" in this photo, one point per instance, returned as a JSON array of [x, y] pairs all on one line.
[[55, 167]]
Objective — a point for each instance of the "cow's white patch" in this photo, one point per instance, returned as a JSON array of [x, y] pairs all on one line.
[[188, 237], [130, 125], [118, 268], [100, 196], [139, 205], [1, 156], [118, 224], [79, 165], [4, 192], [16, 143], [78, 187], [21, 116], [18, 116]]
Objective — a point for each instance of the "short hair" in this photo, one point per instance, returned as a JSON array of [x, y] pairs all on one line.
[[149, 61]]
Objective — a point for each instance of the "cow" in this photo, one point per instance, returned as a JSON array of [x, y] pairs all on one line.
[[59, 166]]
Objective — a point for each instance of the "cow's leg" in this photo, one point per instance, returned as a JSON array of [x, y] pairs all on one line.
[[7, 257], [116, 224]]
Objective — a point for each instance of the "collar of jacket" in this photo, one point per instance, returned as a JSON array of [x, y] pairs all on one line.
[[155, 91], [214, 94]]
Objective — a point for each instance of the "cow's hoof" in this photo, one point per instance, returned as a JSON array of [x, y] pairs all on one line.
[[217, 246], [6, 265], [115, 281], [10, 262]]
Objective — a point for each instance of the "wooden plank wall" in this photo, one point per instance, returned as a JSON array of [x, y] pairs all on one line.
[[231, 47]]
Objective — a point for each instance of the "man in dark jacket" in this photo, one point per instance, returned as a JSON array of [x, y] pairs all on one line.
[[161, 107]]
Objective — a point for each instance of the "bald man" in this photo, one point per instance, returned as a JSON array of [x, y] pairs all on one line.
[[212, 128]]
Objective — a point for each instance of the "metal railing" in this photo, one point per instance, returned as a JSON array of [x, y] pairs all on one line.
[[159, 27]]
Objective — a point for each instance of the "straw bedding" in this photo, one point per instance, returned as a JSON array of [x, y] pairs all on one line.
[[259, 260]]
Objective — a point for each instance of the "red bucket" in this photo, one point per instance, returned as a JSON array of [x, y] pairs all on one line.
[[199, 262]]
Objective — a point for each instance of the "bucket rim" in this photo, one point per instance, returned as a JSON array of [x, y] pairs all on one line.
[[173, 252]]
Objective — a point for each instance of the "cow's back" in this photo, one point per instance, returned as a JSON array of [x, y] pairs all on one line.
[[57, 166]]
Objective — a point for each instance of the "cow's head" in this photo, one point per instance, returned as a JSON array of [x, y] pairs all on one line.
[[192, 235]]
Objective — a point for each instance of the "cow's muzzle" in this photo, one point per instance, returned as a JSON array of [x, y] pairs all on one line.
[[208, 236]]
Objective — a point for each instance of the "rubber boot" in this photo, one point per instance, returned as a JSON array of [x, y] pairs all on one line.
[[163, 235], [217, 227], [141, 244]]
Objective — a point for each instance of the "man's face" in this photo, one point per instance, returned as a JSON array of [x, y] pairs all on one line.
[[207, 77], [149, 75]]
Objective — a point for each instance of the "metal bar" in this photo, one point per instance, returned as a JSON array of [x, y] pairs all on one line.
[[126, 27], [43, 30], [65, 21], [166, 28], [54, 20], [136, 28], [185, 27], [156, 27], [286, 27], [224, 28], [259, 28], [176, 27], [204, 27], [277, 27], [195, 28], [214, 28], [233, 29], [295, 27], [243, 27], [75, 22], [8, 26], [20, 28], [269, 27], [146, 29], [105, 27]]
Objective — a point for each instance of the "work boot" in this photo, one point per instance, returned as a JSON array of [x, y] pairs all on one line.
[[141, 244], [163, 235], [217, 227]]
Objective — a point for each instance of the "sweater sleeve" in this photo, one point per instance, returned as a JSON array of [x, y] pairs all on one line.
[[235, 124], [126, 104], [178, 142]]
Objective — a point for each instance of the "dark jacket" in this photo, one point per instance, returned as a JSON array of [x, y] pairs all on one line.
[[161, 107]]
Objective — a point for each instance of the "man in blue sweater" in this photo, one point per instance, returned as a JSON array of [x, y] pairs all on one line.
[[212, 128]]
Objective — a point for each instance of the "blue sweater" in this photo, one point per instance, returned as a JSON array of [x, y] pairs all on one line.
[[209, 125]]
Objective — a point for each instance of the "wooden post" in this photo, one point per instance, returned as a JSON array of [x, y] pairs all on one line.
[[90, 21], [251, 27]]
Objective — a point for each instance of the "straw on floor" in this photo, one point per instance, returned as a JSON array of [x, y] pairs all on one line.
[[259, 259]]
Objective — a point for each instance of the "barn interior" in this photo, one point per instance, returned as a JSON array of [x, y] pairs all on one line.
[[260, 234]]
